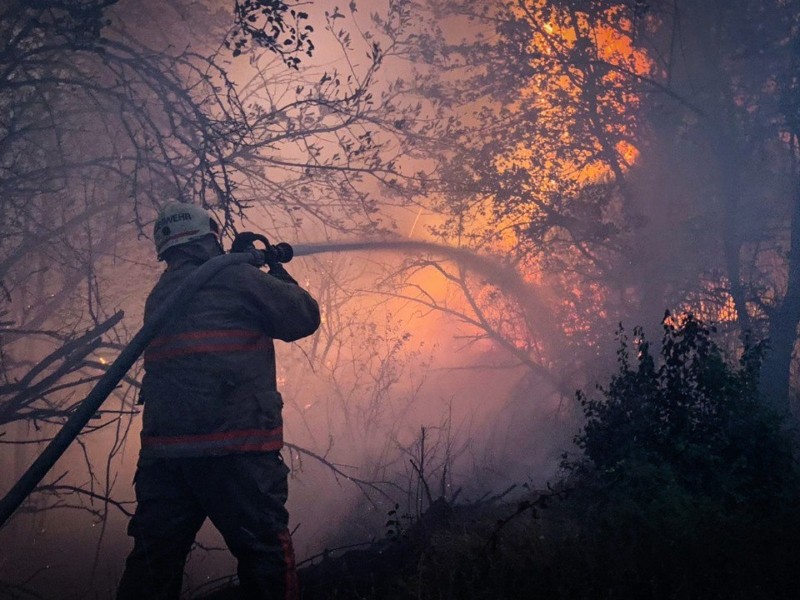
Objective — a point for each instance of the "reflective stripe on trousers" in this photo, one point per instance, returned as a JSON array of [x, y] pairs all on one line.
[[207, 444]]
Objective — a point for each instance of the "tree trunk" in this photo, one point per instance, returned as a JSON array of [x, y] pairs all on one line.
[[775, 372]]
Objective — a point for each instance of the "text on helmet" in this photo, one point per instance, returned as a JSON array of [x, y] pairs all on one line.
[[174, 219]]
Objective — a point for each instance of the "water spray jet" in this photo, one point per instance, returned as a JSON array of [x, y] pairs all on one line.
[[532, 299]]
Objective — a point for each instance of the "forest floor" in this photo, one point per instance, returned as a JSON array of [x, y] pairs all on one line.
[[536, 547]]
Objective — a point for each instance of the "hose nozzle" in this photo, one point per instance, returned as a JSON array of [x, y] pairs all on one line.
[[279, 253]]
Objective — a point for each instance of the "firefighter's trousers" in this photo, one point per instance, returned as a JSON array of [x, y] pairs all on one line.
[[242, 494]]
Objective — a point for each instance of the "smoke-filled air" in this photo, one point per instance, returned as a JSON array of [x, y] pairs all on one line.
[[530, 270]]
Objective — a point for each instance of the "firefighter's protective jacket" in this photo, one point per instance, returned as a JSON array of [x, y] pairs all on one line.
[[210, 379]]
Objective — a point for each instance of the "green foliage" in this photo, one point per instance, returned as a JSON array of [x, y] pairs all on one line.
[[397, 524], [688, 480], [688, 426]]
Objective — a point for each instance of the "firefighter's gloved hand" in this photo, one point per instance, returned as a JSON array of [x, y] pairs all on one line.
[[277, 270]]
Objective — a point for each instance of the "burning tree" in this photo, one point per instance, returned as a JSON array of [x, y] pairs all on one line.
[[624, 167]]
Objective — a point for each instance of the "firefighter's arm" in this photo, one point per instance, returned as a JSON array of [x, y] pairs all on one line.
[[288, 312], [278, 271]]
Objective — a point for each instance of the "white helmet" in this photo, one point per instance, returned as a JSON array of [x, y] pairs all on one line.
[[180, 223]]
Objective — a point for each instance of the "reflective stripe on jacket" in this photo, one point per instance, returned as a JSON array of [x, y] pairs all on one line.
[[210, 380], [196, 342]]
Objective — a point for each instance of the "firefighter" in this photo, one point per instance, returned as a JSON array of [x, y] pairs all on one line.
[[212, 424]]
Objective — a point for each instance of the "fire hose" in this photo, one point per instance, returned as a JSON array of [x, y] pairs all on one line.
[[243, 251]]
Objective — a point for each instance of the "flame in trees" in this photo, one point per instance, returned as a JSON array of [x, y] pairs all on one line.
[[550, 113], [566, 139], [580, 95]]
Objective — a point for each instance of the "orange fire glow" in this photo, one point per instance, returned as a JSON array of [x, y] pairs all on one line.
[[581, 104], [582, 70], [584, 106]]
